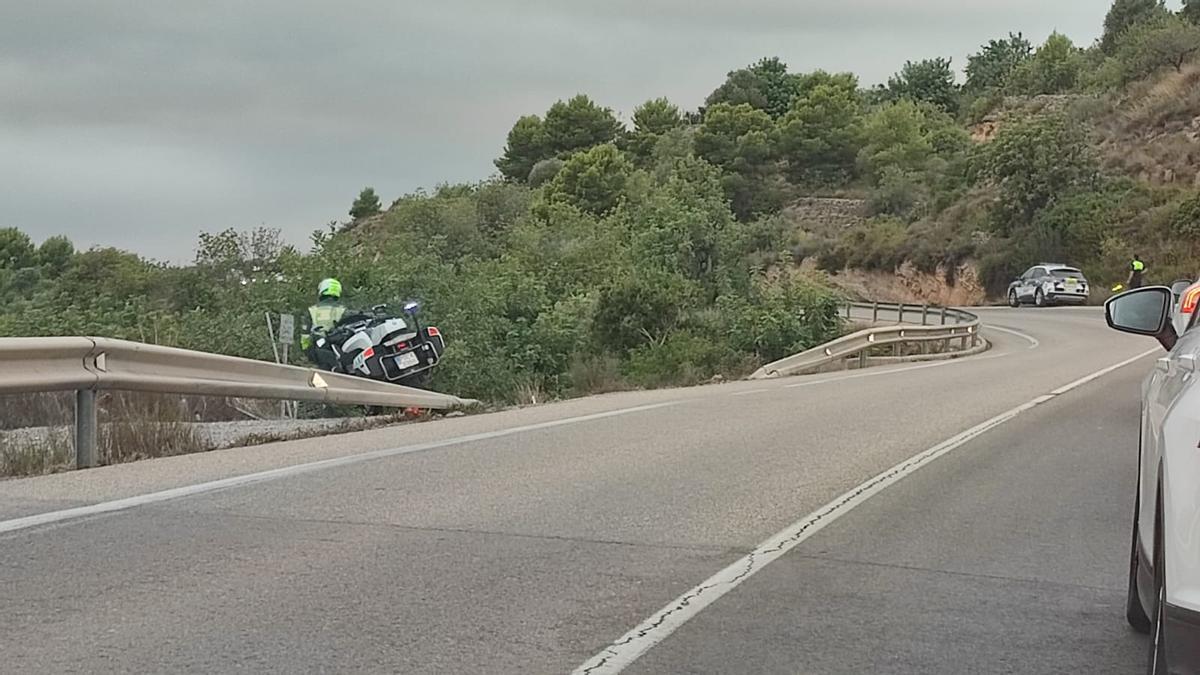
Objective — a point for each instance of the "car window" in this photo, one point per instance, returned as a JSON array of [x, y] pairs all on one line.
[[1066, 272], [1039, 272]]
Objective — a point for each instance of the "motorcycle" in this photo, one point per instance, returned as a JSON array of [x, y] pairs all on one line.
[[382, 347]]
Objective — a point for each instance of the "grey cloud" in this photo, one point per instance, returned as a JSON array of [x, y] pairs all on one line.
[[140, 124]]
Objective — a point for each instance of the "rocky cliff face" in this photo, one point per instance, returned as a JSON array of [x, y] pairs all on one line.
[[826, 214], [962, 288]]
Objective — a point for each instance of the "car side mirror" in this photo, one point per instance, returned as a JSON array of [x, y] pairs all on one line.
[[412, 307], [1144, 311]]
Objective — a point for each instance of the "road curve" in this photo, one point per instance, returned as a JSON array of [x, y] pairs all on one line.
[[531, 540]]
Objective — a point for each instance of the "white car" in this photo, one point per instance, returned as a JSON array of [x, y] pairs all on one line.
[[1049, 284], [1187, 297], [1164, 566]]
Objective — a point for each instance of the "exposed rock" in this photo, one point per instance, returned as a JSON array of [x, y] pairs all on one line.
[[963, 288], [825, 213]]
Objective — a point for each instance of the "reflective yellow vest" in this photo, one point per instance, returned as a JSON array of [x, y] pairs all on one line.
[[1138, 266], [325, 316]]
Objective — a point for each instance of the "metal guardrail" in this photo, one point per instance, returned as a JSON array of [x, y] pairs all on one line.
[[936, 324], [87, 365]]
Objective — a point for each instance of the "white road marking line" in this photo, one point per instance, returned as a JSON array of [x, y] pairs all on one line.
[[631, 646], [299, 469], [1101, 373], [1033, 342], [752, 391]]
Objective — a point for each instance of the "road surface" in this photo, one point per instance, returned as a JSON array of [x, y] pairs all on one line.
[[531, 541]]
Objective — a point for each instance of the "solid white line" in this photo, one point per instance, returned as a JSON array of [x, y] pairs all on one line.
[[631, 646], [1101, 373], [288, 471], [752, 391], [1033, 342]]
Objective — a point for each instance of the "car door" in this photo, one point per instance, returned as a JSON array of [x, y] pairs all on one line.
[[1161, 390], [1034, 279], [1024, 285]]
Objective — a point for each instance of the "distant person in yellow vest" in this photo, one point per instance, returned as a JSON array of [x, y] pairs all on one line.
[[323, 317], [1137, 270]]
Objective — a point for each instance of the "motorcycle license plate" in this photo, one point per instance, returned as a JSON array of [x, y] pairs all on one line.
[[407, 360]]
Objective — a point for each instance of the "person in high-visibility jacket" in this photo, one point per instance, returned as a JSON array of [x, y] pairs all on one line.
[[323, 317], [1137, 270]]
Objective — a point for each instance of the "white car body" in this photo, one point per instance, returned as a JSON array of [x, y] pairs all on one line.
[[1164, 591]]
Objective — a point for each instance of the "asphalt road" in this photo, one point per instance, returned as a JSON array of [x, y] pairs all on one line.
[[528, 541]]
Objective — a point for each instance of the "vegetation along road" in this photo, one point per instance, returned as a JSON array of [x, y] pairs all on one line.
[[531, 540]]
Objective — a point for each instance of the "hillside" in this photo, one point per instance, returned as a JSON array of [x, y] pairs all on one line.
[[689, 244]]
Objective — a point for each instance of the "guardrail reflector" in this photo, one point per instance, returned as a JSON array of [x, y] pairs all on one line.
[[318, 382]]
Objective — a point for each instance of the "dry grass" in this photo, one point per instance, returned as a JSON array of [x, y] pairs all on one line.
[[596, 375], [1151, 131], [36, 410], [132, 427], [31, 456], [1150, 106]]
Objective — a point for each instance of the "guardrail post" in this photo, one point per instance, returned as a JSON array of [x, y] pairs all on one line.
[[896, 349], [900, 309], [943, 316], [925, 314], [847, 310], [85, 429], [875, 312], [862, 359]]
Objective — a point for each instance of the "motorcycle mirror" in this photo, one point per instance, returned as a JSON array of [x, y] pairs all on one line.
[[378, 308], [411, 307]]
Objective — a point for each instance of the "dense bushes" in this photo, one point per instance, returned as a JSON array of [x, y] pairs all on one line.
[[609, 276]]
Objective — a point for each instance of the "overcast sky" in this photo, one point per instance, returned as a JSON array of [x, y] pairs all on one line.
[[142, 124]]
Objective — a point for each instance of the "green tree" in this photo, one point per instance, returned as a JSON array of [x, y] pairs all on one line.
[[544, 171], [766, 85], [991, 66], [1186, 220], [1123, 15], [526, 146], [1166, 40], [930, 80], [55, 254], [740, 87], [1191, 11], [651, 120], [640, 309], [366, 205], [593, 181], [821, 136], [1034, 162], [578, 124], [741, 141], [894, 136], [16, 249], [807, 82], [1054, 69]]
